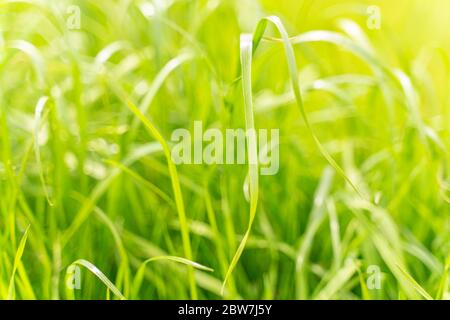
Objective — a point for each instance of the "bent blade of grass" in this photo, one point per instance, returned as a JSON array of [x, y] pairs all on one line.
[[357, 47], [33, 53], [176, 190], [17, 261], [106, 53], [141, 271], [144, 248], [249, 45], [338, 40], [416, 249], [268, 103], [171, 66], [37, 118], [124, 267], [426, 133], [246, 62], [292, 66], [356, 33], [100, 275]]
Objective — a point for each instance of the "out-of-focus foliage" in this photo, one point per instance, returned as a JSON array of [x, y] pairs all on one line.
[[85, 187]]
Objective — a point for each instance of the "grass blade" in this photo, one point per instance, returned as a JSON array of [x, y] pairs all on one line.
[[100, 275], [246, 62], [17, 261], [292, 65], [176, 190], [414, 283], [140, 273]]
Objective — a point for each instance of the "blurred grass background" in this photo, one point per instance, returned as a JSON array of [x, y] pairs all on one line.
[[93, 184]]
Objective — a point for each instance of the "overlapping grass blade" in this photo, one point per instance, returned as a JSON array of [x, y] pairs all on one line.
[[17, 261], [100, 275], [249, 45], [172, 65], [140, 273], [414, 283], [252, 151], [292, 65], [176, 190]]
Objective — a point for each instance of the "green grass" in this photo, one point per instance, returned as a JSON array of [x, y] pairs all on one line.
[[87, 180]]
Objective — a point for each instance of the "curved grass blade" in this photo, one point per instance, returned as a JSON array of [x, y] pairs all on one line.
[[124, 264], [171, 66], [140, 273], [176, 190], [249, 45], [246, 62], [17, 261], [106, 53], [292, 65], [100, 275], [361, 48], [339, 40], [31, 51], [325, 85], [144, 248]]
